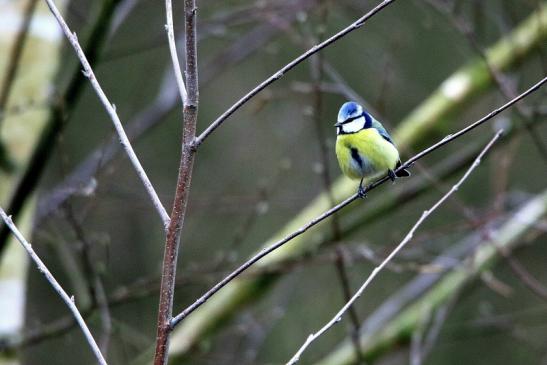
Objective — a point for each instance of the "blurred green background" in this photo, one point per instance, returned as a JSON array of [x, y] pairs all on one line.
[[264, 165]]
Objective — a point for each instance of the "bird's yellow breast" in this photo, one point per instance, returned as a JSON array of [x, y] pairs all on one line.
[[365, 154]]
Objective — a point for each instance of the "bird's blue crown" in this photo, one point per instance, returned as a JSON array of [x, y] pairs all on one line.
[[349, 110]]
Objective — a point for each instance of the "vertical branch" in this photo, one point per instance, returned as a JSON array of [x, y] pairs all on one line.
[[165, 312]]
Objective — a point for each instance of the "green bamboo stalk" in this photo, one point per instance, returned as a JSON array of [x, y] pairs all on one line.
[[432, 116], [400, 328], [18, 135]]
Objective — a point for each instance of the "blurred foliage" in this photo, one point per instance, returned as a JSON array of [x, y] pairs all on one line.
[[263, 166]]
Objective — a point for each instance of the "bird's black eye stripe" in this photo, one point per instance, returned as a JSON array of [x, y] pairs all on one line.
[[368, 119], [349, 120]]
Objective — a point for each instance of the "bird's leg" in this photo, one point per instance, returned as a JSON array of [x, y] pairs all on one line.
[[362, 191], [391, 175]]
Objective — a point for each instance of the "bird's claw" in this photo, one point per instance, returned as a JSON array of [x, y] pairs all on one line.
[[391, 175], [362, 192]]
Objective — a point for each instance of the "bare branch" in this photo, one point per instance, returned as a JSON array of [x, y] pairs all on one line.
[[111, 110], [265, 251], [401, 245], [172, 242], [507, 91], [173, 51], [279, 74], [56, 286]]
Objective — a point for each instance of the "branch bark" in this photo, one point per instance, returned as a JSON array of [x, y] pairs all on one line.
[[182, 193]]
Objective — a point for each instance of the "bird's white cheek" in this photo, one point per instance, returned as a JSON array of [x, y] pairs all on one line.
[[354, 126]]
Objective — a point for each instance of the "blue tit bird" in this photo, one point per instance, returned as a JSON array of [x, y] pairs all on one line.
[[363, 146]]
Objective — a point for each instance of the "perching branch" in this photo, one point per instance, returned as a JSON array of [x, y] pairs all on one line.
[[279, 74], [111, 110], [393, 253], [182, 193], [265, 251], [56, 286]]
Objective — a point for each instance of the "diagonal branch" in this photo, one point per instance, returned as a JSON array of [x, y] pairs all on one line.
[[111, 110], [279, 74], [56, 286], [399, 247], [265, 251]]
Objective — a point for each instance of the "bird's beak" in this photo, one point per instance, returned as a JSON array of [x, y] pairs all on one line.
[[338, 124]]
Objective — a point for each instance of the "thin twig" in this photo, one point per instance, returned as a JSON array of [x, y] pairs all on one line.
[[496, 75], [469, 128], [111, 110], [172, 242], [279, 74], [56, 286], [393, 253], [265, 251], [173, 51]]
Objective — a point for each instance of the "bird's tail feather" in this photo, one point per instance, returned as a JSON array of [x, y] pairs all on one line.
[[403, 172]]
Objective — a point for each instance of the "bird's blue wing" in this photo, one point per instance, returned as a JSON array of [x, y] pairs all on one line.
[[380, 128]]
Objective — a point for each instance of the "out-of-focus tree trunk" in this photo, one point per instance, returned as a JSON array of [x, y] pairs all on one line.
[[21, 124]]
